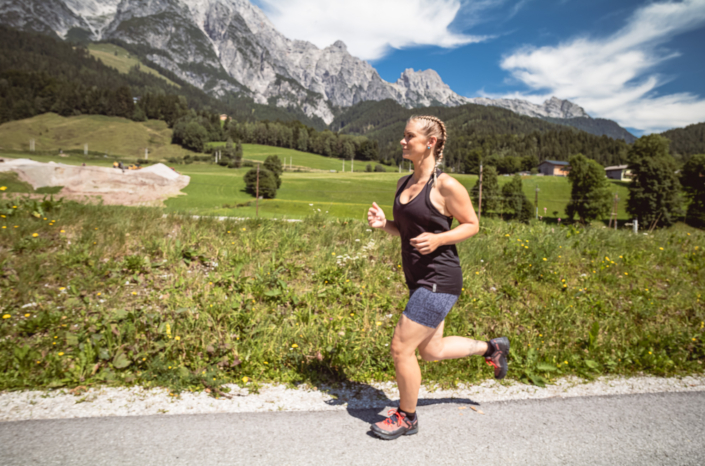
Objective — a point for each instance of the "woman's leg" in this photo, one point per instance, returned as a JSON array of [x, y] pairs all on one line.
[[408, 335], [436, 348]]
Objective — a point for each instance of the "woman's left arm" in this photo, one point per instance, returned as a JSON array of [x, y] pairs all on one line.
[[458, 204]]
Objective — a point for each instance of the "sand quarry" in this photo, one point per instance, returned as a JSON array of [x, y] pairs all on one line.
[[147, 186]]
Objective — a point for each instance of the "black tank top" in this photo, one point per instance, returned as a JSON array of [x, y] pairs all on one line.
[[440, 270]]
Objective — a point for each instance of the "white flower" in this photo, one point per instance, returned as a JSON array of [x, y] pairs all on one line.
[[311, 204], [29, 305], [481, 260]]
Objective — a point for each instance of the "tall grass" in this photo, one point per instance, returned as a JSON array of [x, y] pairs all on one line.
[[109, 295]]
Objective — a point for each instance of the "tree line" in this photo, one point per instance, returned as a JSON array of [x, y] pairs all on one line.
[[659, 193]]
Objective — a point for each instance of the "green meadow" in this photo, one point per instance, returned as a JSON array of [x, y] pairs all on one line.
[[216, 190]]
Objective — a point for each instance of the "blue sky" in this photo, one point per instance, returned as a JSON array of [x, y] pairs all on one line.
[[641, 64]]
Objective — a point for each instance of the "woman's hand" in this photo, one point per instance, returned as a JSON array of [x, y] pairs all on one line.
[[375, 216], [426, 243]]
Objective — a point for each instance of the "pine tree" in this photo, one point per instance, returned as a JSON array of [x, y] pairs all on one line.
[[589, 193], [515, 202], [491, 194], [655, 191], [693, 181]]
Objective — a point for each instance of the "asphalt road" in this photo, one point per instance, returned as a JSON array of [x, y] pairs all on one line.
[[646, 429]]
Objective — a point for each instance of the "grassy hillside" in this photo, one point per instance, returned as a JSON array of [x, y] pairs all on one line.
[[123, 61], [297, 158], [106, 135]]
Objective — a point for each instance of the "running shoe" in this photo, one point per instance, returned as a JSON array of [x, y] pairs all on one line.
[[499, 359], [396, 425]]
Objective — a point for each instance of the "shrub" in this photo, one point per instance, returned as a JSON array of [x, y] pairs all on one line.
[[267, 183], [274, 165], [380, 168]]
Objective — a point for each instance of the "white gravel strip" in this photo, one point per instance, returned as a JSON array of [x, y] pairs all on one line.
[[136, 401]]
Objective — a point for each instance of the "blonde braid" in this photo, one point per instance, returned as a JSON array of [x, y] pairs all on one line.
[[429, 130]]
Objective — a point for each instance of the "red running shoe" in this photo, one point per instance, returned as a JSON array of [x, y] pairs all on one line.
[[499, 358], [396, 425]]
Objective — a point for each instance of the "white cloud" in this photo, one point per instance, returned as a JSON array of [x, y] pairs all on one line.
[[614, 77], [370, 28]]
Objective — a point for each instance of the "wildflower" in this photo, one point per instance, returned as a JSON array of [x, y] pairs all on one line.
[[98, 294], [625, 273], [6, 316], [661, 249], [477, 273], [545, 258], [61, 354], [177, 338], [245, 379], [3, 188], [294, 345], [332, 254], [34, 235], [379, 323], [62, 231], [27, 315], [266, 362], [352, 314], [134, 293]]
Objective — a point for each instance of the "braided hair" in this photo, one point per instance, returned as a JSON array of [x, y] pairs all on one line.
[[433, 126]]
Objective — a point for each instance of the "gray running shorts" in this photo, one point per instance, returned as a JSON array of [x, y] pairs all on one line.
[[428, 308]]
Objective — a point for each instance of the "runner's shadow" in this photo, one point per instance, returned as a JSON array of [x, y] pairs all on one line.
[[365, 402]]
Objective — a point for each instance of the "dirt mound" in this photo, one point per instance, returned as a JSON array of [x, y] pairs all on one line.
[[148, 186]]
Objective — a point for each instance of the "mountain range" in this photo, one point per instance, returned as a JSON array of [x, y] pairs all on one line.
[[230, 46]]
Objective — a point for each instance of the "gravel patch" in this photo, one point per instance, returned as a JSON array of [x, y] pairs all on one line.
[[137, 401]]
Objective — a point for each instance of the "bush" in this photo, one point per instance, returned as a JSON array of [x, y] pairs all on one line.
[[368, 168], [267, 183], [274, 165], [380, 168], [143, 162], [248, 164]]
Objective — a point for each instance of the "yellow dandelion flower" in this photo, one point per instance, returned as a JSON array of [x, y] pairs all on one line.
[[177, 338], [134, 293], [244, 230], [625, 273], [98, 293], [379, 323], [34, 235], [6, 316], [294, 345], [266, 362], [61, 288], [477, 273], [661, 249], [61, 354], [3, 188], [27, 315], [245, 379], [62, 231]]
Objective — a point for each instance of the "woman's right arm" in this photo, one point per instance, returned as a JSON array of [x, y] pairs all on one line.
[[377, 219]]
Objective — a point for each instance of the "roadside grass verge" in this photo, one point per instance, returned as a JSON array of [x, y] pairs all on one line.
[[96, 295]]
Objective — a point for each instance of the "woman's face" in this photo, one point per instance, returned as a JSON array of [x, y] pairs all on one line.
[[414, 144]]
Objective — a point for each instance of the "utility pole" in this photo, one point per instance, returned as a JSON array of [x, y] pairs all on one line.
[[257, 194], [85, 149], [146, 153], [479, 209], [343, 166], [537, 201], [613, 215], [616, 206]]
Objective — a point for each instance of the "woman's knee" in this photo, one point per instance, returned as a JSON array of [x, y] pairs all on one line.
[[399, 350]]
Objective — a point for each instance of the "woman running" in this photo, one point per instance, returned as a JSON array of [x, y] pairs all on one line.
[[424, 207]]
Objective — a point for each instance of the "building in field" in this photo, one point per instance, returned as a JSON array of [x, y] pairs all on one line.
[[618, 172], [554, 167]]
